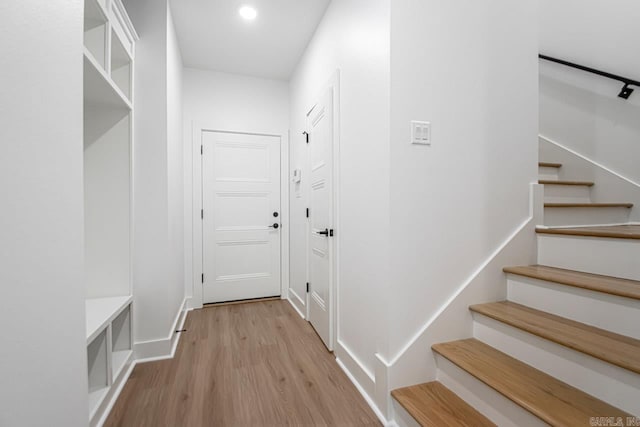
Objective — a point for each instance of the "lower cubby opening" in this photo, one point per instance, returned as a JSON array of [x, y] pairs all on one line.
[[121, 341], [98, 371]]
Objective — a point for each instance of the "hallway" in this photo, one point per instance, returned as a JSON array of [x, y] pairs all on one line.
[[255, 364]]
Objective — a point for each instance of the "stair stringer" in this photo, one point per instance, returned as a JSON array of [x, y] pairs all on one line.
[[416, 363]]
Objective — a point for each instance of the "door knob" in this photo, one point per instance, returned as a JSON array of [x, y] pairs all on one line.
[[275, 225], [275, 214], [323, 233]]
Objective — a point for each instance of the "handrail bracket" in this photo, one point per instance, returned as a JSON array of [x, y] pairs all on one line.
[[626, 91]]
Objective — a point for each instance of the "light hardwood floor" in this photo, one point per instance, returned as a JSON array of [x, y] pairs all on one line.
[[255, 364]]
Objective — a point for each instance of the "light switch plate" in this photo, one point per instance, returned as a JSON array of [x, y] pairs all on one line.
[[420, 132]]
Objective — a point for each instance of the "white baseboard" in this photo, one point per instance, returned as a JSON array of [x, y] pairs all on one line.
[[191, 304], [164, 348], [363, 392], [291, 293]]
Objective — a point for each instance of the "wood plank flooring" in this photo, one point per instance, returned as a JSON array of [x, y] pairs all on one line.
[[255, 364]]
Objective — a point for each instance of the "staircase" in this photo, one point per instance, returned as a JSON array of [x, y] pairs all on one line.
[[568, 202], [564, 350]]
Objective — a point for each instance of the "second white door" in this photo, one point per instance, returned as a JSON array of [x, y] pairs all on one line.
[[321, 248], [241, 216]]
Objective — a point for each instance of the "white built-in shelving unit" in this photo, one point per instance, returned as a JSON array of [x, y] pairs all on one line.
[[109, 41]]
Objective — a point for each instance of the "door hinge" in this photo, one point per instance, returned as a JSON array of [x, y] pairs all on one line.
[[202, 278], [331, 233], [201, 150], [307, 212], [306, 136], [201, 213], [307, 287]]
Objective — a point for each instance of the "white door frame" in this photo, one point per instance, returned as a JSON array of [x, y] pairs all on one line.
[[334, 84], [197, 240]]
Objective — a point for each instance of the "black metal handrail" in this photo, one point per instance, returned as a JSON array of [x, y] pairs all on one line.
[[626, 89]]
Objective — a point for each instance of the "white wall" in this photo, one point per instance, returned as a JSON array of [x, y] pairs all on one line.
[[43, 366], [158, 260], [175, 163], [226, 102], [353, 37], [470, 68], [580, 110]]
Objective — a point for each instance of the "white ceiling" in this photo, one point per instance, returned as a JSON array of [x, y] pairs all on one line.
[[213, 36]]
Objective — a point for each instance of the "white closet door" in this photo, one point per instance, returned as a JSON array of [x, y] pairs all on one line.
[[320, 125]]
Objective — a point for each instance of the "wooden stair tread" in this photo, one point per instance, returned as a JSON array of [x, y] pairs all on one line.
[[614, 231], [559, 182], [588, 205], [432, 404], [594, 282], [610, 347], [549, 165], [551, 400]]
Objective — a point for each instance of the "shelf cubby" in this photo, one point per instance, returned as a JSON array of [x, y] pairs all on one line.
[[120, 65], [99, 90], [121, 341], [95, 31], [98, 370]]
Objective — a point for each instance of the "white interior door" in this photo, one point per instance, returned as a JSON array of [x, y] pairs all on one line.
[[321, 249], [241, 216]]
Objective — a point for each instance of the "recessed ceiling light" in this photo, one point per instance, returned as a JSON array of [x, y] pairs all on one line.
[[248, 13]]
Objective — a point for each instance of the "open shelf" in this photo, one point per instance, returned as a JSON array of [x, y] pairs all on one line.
[[120, 65], [95, 31], [101, 312], [99, 90]]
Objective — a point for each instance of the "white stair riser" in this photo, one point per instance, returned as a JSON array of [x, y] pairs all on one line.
[[567, 194], [545, 173], [585, 216], [610, 257], [486, 400], [614, 385], [612, 313]]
